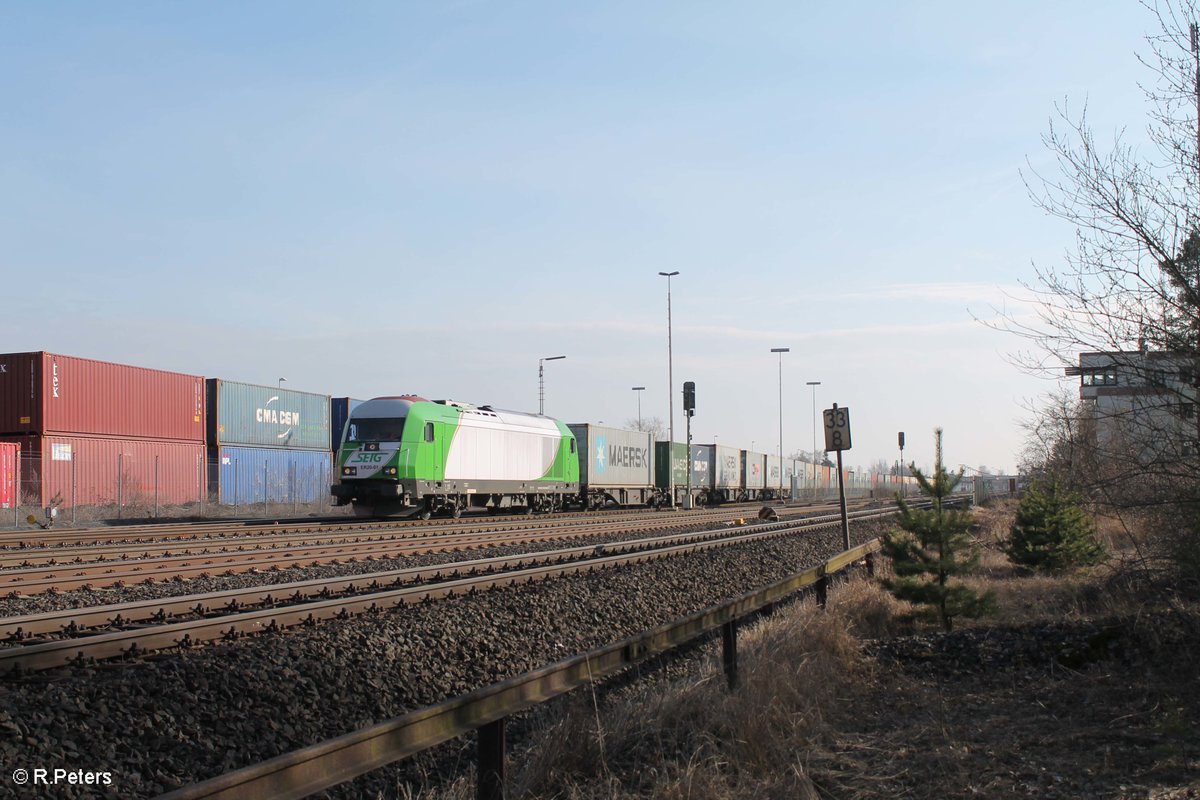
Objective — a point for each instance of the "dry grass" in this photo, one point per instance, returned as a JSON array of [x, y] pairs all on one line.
[[817, 716]]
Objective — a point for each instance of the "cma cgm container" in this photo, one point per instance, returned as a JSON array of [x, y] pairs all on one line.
[[614, 464], [266, 416], [44, 393], [339, 412], [70, 471], [8, 474], [247, 475]]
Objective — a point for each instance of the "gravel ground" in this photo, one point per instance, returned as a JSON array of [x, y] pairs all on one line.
[[15, 605], [181, 717]]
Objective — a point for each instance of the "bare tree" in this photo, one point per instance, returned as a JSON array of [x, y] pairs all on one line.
[[652, 425], [1127, 295]]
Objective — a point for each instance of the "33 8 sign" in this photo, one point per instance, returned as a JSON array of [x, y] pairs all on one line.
[[837, 428]]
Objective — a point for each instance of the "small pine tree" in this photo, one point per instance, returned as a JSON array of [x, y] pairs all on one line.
[[1051, 532], [932, 547]]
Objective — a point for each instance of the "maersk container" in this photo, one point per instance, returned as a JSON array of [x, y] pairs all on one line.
[[247, 475], [727, 468], [67, 471], [266, 416], [753, 470], [8, 474], [613, 457], [339, 412], [45, 393]]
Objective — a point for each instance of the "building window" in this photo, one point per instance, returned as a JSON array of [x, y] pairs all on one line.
[[1099, 377]]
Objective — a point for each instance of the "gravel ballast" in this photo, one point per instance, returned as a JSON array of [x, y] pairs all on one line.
[[180, 717]]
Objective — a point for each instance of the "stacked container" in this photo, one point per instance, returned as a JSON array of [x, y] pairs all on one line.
[[97, 433], [267, 444]]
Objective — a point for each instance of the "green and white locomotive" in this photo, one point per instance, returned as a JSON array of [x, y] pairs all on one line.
[[409, 454]]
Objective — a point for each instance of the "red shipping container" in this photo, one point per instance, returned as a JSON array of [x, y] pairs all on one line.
[[8, 474], [44, 393], [94, 471]]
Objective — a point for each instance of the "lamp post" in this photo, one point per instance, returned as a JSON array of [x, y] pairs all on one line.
[[781, 351], [814, 385], [671, 394], [279, 384], [542, 382], [639, 390]]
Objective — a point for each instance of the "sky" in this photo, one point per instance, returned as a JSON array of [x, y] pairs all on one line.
[[380, 198]]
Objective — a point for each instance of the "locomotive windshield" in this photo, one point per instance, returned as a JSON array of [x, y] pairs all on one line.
[[375, 429]]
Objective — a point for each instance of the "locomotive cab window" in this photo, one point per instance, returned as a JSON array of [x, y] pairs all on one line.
[[429, 431], [375, 429]]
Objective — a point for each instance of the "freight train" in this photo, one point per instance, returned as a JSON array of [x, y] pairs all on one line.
[[407, 454]]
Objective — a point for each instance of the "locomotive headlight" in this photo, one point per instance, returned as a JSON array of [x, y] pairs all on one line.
[[349, 470], [389, 471]]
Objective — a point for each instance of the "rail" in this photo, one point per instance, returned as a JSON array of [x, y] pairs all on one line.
[[326, 764]]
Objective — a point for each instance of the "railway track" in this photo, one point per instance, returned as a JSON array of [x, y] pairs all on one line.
[[149, 625], [237, 529], [35, 571]]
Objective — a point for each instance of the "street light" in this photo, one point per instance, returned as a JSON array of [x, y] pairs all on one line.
[[814, 384], [781, 351], [639, 390], [279, 385], [671, 394], [542, 383]]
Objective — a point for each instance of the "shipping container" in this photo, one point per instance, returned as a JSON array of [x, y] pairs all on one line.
[[8, 474], [45, 393], [753, 472], [613, 457], [727, 470], [339, 413], [248, 475], [670, 465], [266, 416], [774, 476], [66, 471], [700, 462]]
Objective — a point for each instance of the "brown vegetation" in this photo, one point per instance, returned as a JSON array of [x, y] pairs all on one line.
[[1078, 688]]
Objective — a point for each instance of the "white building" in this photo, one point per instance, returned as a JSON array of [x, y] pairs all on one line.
[[1142, 403]]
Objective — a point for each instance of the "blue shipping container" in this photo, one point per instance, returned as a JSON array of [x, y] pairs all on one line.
[[266, 416], [247, 475], [339, 412]]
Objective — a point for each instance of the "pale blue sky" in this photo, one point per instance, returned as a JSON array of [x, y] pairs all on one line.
[[376, 198]]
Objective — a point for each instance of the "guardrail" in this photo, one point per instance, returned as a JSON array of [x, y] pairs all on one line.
[[326, 764]]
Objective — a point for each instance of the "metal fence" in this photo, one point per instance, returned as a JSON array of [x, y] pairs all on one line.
[[79, 488]]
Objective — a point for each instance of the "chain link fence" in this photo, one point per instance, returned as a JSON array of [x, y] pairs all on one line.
[[72, 488]]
